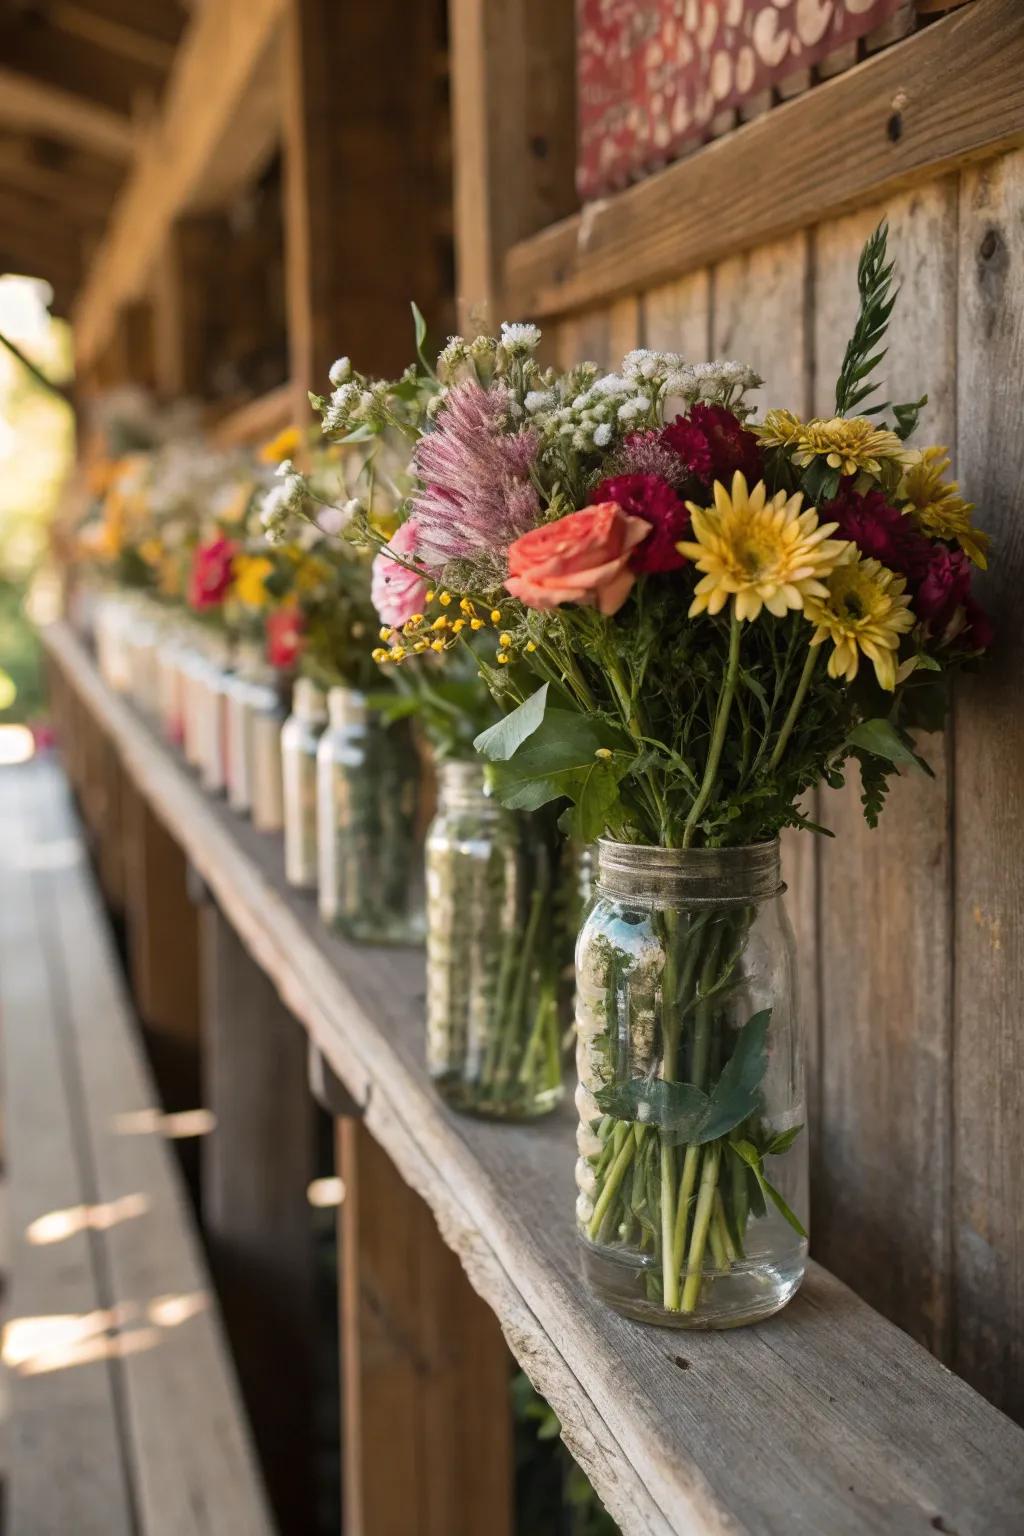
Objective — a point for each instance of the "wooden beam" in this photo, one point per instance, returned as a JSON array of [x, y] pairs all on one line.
[[948, 95], [254, 421], [513, 111], [210, 133], [181, 294], [32, 105], [32, 45], [114, 34], [23, 171]]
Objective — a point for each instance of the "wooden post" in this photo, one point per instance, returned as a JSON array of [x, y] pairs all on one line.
[[162, 948], [257, 1164], [364, 109], [426, 1415], [181, 305], [514, 122]]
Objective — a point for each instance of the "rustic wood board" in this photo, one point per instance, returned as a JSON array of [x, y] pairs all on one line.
[[191, 1463], [988, 1045], [953, 92], [65, 1466], [886, 1019], [827, 1418]]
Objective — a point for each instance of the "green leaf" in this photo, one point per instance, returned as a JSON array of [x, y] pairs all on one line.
[[499, 742], [749, 1154], [420, 325], [677, 1109], [882, 739], [782, 1208], [596, 799], [782, 1142], [736, 1094], [555, 760]]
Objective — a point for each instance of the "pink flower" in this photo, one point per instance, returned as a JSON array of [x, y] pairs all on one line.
[[583, 558], [880, 531], [397, 592], [944, 602], [649, 497], [284, 638], [210, 576]]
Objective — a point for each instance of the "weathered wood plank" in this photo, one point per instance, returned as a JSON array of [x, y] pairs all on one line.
[[192, 1466], [64, 1466], [828, 1409], [960, 89], [988, 1045], [427, 1421], [257, 1163], [883, 1185], [677, 316]]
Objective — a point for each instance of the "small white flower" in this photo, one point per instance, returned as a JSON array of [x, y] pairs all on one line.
[[538, 400], [284, 469], [602, 435], [519, 339], [340, 372]]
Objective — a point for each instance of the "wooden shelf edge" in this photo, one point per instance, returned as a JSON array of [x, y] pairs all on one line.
[[951, 93], [889, 1429]]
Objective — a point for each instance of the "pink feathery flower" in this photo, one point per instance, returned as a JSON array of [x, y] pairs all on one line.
[[478, 496]]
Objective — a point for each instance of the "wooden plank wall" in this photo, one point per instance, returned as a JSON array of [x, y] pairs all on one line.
[[910, 937]]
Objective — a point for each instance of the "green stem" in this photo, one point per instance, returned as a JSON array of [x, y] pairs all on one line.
[[701, 1223], [794, 708], [616, 1172], [725, 699]]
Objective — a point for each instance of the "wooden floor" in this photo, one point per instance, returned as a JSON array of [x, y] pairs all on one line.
[[125, 1416]]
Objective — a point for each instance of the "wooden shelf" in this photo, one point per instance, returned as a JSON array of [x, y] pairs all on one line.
[[826, 1419], [952, 93]]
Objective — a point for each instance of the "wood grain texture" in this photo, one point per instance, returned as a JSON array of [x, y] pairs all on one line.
[[988, 1046], [677, 316], [257, 1163], [828, 1409], [960, 85], [427, 1426], [64, 1459], [192, 1465], [886, 944]]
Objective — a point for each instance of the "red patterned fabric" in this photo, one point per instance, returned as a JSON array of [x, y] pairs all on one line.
[[654, 73]]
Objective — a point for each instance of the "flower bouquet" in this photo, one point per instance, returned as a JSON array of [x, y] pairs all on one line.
[[716, 616]]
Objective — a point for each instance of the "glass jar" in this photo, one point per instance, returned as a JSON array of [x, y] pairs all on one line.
[[265, 715], [193, 666], [170, 692], [368, 801], [215, 680], [496, 955], [249, 665], [300, 738], [692, 1169]]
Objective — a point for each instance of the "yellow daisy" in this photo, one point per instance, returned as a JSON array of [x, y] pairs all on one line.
[[849, 444], [865, 609], [936, 505], [251, 572], [284, 446], [762, 552]]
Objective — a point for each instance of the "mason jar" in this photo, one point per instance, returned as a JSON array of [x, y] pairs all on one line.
[[496, 954], [692, 1139], [215, 681], [300, 738], [249, 666], [368, 801], [170, 691], [265, 715], [193, 669]]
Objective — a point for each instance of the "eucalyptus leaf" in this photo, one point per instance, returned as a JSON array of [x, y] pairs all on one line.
[[676, 1109], [499, 742]]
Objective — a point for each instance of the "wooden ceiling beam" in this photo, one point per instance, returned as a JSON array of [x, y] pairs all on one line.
[[22, 171], [34, 106], [220, 117], [35, 48], [118, 37]]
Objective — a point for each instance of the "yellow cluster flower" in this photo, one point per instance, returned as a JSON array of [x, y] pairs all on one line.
[[936, 505], [762, 552], [250, 577], [285, 445], [440, 633], [849, 444], [865, 610]]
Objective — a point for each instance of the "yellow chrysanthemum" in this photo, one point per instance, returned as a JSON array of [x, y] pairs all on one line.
[[151, 551], [762, 552], [284, 446], [865, 609], [250, 576], [936, 505], [849, 444]]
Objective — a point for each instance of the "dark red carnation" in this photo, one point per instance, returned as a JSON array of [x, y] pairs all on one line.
[[715, 444], [284, 638], [210, 576], [880, 531], [653, 499], [945, 592]]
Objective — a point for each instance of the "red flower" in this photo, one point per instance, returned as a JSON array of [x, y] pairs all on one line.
[[714, 444], [284, 638], [944, 599], [880, 531], [649, 497], [210, 576]]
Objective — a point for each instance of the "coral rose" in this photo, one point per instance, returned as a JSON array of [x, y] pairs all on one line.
[[210, 576], [397, 592], [583, 558]]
